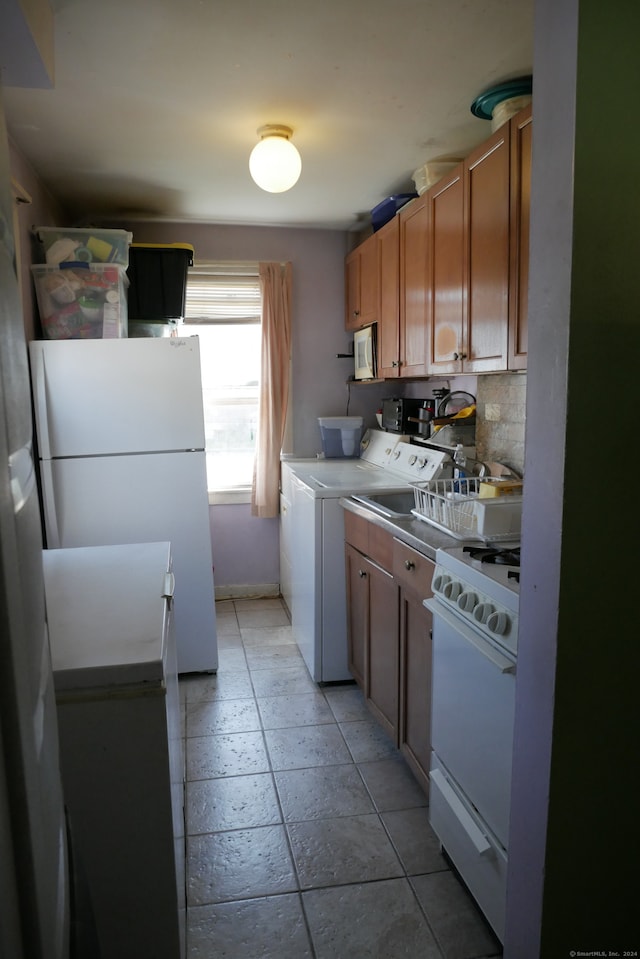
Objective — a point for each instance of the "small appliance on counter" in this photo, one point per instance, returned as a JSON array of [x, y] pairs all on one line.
[[453, 420], [403, 414]]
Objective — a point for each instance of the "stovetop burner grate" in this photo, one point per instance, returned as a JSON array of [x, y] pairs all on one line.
[[506, 556]]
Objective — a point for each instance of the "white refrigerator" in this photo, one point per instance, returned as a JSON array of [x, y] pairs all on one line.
[[120, 435]]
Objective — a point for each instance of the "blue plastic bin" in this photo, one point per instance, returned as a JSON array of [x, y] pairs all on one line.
[[386, 210]]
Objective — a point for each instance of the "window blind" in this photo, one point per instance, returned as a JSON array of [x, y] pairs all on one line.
[[223, 293]]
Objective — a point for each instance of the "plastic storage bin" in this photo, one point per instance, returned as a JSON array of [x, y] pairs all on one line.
[[158, 280], [340, 436], [79, 302], [62, 245], [386, 210]]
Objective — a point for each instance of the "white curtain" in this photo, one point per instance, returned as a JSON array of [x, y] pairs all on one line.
[[275, 281]]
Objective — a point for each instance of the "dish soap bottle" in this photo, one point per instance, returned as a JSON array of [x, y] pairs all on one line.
[[459, 468]]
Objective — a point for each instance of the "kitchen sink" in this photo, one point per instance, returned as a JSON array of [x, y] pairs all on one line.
[[392, 505]]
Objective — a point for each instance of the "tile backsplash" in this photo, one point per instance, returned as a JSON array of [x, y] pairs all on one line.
[[501, 409]]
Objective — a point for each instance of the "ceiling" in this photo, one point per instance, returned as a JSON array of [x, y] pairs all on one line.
[[156, 103]]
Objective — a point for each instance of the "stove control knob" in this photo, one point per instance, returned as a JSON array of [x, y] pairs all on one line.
[[440, 580], [412, 459], [499, 623], [467, 601], [482, 612], [452, 590]]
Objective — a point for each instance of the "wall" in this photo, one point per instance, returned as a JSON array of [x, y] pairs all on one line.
[[501, 411], [43, 210], [501, 405], [245, 548], [573, 844]]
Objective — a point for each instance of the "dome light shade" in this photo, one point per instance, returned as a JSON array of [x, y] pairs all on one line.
[[275, 163]]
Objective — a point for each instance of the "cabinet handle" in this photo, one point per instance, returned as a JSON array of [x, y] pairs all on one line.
[[395, 363], [361, 573], [408, 564], [459, 356], [356, 312]]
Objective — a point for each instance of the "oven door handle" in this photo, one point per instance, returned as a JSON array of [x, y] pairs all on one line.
[[503, 663], [477, 837]]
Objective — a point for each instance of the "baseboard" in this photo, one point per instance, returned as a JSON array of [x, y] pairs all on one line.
[[249, 591]]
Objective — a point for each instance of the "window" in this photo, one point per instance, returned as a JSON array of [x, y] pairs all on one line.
[[223, 308]]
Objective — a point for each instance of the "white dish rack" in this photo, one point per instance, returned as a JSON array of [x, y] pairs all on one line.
[[454, 506]]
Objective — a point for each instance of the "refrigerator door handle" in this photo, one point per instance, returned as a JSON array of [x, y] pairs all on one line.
[[49, 505], [40, 403], [169, 588]]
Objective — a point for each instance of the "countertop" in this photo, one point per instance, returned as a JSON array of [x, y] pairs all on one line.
[[421, 536]]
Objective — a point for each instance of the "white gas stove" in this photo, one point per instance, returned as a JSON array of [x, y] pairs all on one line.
[[482, 585], [475, 642]]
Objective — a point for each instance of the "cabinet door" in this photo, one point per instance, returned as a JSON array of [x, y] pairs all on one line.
[[389, 311], [446, 273], [413, 287], [487, 175], [357, 613], [352, 290], [521, 131], [361, 279], [383, 661]]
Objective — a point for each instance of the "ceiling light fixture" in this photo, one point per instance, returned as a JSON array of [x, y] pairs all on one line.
[[275, 163]]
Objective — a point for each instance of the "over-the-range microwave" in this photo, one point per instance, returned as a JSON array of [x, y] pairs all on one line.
[[364, 352]]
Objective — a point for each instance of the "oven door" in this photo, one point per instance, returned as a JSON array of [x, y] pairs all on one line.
[[473, 697]]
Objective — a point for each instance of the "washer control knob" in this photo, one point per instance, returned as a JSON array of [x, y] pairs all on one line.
[[422, 462], [396, 454], [412, 459]]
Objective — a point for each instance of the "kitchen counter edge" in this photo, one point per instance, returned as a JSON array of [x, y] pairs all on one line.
[[421, 536]]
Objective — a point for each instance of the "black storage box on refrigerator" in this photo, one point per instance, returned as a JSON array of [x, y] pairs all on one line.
[[157, 275]]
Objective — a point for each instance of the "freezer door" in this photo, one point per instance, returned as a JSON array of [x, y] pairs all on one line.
[[97, 397], [106, 501]]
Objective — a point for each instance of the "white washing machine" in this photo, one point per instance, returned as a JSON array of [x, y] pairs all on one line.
[[312, 531]]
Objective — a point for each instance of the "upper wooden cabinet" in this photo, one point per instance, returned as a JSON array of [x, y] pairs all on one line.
[[413, 287], [389, 313], [446, 272], [469, 254], [452, 268], [362, 284], [521, 130]]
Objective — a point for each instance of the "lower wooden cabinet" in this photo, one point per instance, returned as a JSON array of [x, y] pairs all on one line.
[[356, 566], [372, 620], [383, 660], [389, 633]]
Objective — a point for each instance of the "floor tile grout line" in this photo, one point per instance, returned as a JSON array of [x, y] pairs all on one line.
[[300, 893]]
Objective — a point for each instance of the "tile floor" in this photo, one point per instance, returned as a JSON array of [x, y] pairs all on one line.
[[307, 836]]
